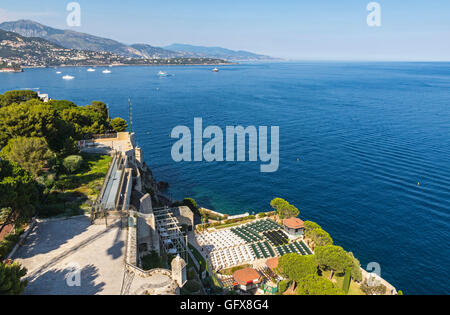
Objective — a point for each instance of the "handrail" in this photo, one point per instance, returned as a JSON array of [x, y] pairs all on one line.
[[105, 181], [127, 189], [117, 200], [105, 136]]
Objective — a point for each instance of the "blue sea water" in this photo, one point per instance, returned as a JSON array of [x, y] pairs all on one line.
[[355, 141]]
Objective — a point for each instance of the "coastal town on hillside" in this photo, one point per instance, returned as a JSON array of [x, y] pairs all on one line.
[[107, 228], [28, 52]]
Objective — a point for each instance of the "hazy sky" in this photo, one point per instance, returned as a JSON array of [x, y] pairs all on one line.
[[295, 29]]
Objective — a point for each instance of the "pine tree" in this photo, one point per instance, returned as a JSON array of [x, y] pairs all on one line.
[[10, 279], [347, 279]]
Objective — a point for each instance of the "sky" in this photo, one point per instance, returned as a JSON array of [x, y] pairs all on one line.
[[291, 29]]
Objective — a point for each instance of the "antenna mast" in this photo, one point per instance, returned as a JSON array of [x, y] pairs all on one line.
[[130, 115]]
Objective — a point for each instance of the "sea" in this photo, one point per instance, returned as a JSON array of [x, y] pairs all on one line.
[[364, 148]]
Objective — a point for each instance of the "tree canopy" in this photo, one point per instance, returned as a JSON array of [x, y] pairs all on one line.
[[17, 97], [284, 209], [333, 257], [119, 124], [356, 272], [72, 163], [32, 154], [60, 105], [319, 236], [19, 194], [316, 285], [60, 122], [295, 266], [89, 120], [10, 279]]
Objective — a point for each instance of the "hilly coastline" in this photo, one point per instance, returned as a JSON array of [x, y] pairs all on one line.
[[82, 41], [19, 51]]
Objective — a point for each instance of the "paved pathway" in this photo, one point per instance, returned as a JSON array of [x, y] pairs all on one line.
[[55, 245]]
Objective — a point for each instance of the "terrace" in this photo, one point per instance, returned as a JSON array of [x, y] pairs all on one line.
[[247, 243]]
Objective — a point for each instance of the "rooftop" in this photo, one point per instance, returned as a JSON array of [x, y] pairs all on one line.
[[293, 223], [246, 276], [272, 263]]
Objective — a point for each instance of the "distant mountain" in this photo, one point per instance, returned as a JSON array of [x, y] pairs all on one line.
[[216, 52], [82, 41], [37, 52], [147, 51], [20, 51]]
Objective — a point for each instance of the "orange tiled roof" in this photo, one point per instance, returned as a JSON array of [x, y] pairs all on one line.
[[246, 276], [272, 263], [293, 223]]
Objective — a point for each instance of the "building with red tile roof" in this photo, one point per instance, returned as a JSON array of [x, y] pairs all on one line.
[[246, 278], [293, 226]]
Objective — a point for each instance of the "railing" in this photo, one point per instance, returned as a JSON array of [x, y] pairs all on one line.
[[127, 192], [105, 136], [105, 181], [119, 189]]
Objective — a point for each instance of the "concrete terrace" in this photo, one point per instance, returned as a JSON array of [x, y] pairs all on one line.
[[105, 250], [120, 142], [54, 245]]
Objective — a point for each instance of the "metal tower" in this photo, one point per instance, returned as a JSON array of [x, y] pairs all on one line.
[[130, 117]]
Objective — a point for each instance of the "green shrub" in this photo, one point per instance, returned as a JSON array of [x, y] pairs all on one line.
[[192, 286], [373, 290], [191, 274], [65, 183], [49, 180], [11, 282], [151, 261], [192, 204], [213, 285], [119, 124], [198, 257], [347, 279], [283, 285], [8, 242], [72, 163], [50, 210]]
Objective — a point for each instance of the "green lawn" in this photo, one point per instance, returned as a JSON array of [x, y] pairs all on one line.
[[354, 287], [232, 270], [80, 189], [199, 257], [90, 178], [226, 225]]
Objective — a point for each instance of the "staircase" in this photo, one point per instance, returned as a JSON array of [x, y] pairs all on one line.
[[128, 277]]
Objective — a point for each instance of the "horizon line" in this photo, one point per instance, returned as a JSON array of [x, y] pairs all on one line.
[[278, 58]]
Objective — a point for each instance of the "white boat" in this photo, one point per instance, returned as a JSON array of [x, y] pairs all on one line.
[[58, 72], [215, 70], [91, 70], [68, 77], [162, 74], [106, 71]]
